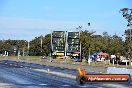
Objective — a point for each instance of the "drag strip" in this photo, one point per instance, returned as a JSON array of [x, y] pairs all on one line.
[[30, 75]]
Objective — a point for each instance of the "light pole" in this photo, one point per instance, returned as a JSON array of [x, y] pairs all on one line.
[[51, 47], [28, 47], [89, 47], [24, 47], [18, 53]]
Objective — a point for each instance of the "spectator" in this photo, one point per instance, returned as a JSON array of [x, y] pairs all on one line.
[[117, 58], [94, 56]]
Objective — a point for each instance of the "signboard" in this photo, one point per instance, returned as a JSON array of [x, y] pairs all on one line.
[[82, 77], [108, 78]]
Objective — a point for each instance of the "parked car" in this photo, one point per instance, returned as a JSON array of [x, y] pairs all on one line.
[[114, 60], [77, 60], [123, 61]]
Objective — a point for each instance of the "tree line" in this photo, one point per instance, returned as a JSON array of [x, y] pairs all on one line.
[[90, 42]]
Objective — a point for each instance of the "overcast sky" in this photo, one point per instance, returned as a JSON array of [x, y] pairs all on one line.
[[26, 19]]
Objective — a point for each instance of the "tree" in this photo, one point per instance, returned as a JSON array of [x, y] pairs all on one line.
[[86, 41], [35, 46]]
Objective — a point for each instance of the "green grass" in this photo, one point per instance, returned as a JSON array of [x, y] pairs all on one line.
[[29, 58], [105, 64], [38, 58]]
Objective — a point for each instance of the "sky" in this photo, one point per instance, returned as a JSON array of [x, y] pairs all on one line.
[[27, 19]]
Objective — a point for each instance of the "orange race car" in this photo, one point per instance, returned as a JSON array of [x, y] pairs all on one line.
[[82, 77]]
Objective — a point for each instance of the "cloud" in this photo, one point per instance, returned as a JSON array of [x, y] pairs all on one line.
[[35, 23], [24, 28]]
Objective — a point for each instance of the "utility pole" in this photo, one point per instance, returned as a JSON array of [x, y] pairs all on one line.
[[23, 50], [28, 46], [51, 47], [18, 56], [41, 42]]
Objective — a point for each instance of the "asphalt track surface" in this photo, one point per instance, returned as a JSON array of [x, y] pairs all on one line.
[[15, 74]]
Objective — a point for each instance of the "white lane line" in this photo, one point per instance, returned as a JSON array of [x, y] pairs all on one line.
[[83, 86], [5, 84], [25, 67], [56, 73], [43, 84], [5, 63], [65, 85], [21, 66], [10, 64]]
